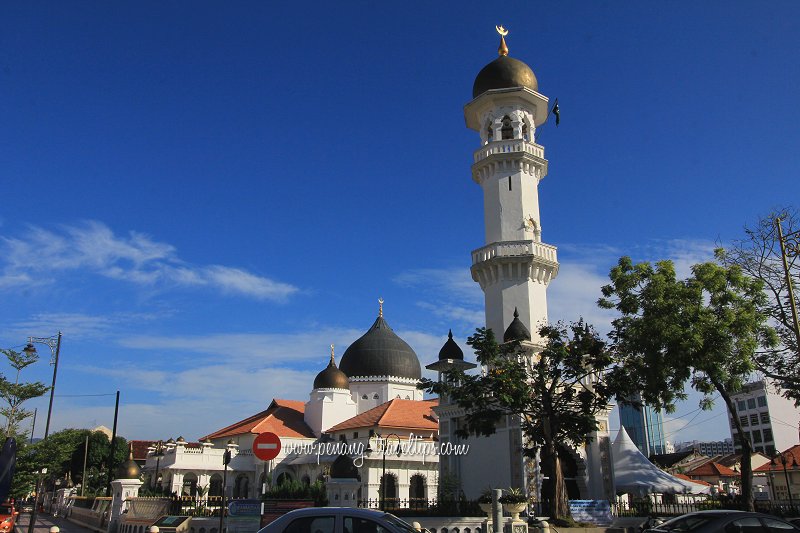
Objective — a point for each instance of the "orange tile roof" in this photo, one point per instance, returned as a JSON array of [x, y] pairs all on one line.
[[687, 478], [405, 414], [282, 417], [792, 456], [713, 469]]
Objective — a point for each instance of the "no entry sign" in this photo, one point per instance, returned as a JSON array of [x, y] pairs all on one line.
[[266, 446]]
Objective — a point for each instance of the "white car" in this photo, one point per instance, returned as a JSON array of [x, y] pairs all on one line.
[[338, 520]]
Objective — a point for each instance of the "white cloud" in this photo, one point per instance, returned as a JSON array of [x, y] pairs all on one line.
[[79, 325], [40, 254]]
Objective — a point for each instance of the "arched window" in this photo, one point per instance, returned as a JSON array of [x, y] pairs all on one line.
[[389, 484], [283, 478], [306, 480], [190, 484], [375, 396], [507, 131], [364, 397], [489, 133], [525, 132], [215, 488], [416, 492], [241, 488]]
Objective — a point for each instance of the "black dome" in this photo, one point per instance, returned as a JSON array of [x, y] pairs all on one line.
[[503, 73], [380, 352], [343, 468], [516, 330], [331, 378], [451, 350]]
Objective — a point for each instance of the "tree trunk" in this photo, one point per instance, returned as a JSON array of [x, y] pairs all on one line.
[[747, 450], [559, 503]]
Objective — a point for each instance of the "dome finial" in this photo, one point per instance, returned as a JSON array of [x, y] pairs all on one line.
[[503, 49], [333, 359], [380, 307]]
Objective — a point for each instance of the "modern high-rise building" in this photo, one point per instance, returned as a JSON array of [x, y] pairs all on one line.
[[644, 425], [769, 420]]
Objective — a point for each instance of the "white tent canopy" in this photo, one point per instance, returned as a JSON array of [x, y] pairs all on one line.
[[635, 474]]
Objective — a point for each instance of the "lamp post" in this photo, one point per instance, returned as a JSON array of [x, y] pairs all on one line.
[[54, 343], [784, 461], [385, 446], [158, 453]]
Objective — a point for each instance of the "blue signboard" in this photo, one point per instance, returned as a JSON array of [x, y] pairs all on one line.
[[591, 511]]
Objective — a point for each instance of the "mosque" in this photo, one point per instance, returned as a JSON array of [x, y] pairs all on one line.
[[370, 401]]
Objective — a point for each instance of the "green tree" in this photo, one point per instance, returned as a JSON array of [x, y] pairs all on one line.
[[62, 454], [556, 393], [758, 254], [16, 393], [703, 330]]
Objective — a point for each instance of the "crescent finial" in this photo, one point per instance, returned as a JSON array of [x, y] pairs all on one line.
[[380, 306], [501, 30], [503, 49]]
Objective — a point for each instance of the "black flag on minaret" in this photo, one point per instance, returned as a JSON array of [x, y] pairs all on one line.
[[556, 112]]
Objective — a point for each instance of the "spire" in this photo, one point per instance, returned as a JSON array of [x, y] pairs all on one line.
[[380, 307], [333, 358], [503, 49]]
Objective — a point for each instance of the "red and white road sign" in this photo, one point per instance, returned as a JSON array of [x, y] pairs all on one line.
[[266, 446]]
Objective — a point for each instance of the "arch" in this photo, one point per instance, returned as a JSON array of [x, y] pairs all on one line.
[[215, 485], [283, 477], [506, 130], [241, 487], [364, 397], [375, 396], [306, 480], [202, 530], [389, 485], [489, 132], [416, 492], [525, 135], [189, 484]]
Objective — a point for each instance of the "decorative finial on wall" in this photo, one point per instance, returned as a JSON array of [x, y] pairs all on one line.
[[503, 50]]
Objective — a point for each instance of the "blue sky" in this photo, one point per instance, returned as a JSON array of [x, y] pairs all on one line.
[[203, 196]]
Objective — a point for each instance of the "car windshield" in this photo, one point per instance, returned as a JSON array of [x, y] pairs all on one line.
[[686, 523], [400, 524]]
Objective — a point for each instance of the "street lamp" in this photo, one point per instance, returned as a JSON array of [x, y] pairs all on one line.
[[55, 348], [158, 453], [384, 445], [784, 461]]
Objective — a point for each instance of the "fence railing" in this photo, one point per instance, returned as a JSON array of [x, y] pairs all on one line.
[[424, 506]]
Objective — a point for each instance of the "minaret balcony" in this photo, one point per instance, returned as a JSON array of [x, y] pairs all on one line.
[[514, 260], [539, 250], [508, 146]]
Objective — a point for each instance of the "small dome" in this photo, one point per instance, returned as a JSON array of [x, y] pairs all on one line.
[[380, 352], [451, 350], [504, 72], [516, 330], [181, 440], [331, 377], [129, 469], [343, 468]]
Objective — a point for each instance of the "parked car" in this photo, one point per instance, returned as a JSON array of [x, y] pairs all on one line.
[[725, 521], [8, 517], [338, 520]]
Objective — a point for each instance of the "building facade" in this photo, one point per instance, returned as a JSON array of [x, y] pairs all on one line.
[[769, 420], [644, 425]]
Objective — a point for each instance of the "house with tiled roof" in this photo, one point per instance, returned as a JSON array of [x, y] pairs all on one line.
[[366, 407], [720, 476], [782, 473]]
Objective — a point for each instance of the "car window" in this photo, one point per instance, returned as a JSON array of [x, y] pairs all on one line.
[[312, 524], [354, 524], [686, 523], [399, 523], [778, 526], [751, 524]]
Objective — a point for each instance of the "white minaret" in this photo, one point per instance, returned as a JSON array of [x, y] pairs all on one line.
[[515, 266]]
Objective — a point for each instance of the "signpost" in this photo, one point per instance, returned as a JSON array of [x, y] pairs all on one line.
[[267, 446]]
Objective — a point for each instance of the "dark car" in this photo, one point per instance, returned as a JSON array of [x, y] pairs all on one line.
[[724, 521], [338, 520]]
